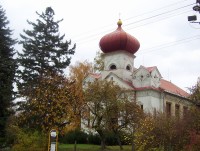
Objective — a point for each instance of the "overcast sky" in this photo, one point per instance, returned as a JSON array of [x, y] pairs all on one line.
[[167, 39]]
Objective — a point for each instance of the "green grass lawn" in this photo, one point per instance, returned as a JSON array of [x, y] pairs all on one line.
[[89, 147]]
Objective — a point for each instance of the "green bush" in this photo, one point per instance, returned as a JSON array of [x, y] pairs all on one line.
[[2, 142], [24, 140], [94, 139], [111, 139], [72, 136], [30, 141]]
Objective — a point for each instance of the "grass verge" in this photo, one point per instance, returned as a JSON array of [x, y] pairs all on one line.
[[90, 147]]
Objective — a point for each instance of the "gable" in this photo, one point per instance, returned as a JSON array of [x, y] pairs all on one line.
[[118, 81]]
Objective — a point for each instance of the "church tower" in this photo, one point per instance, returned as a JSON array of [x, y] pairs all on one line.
[[145, 85], [119, 48]]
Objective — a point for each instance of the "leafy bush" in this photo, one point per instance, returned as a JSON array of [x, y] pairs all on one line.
[[24, 140], [111, 139], [72, 136], [94, 139]]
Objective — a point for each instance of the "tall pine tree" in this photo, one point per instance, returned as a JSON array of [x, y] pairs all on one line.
[[7, 72], [44, 51]]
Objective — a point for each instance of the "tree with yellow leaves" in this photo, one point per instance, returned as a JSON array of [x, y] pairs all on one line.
[[109, 109], [78, 73], [144, 136], [50, 105], [101, 98]]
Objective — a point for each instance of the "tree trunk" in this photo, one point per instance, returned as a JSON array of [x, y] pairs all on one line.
[[119, 142], [103, 144], [102, 136], [133, 146], [75, 145]]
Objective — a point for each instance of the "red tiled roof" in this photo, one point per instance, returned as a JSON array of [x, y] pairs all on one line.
[[95, 75], [150, 68], [129, 83], [172, 88], [148, 88], [164, 85]]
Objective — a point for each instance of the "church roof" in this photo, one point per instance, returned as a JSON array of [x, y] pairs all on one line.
[[151, 68], [119, 40], [95, 75], [165, 85], [172, 88]]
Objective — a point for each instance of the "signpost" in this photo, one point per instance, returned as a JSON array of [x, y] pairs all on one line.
[[53, 140]]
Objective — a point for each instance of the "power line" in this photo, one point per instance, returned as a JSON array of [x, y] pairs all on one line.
[[91, 36], [158, 15], [148, 18], [82, 34], [169, 44], [157, 9], [172, 15]]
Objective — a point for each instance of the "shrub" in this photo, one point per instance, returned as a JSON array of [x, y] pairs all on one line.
[[24, 140], [94, 139], [72, 136], [111, 139]]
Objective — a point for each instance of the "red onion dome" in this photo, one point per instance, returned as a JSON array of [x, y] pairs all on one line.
[[119, 40]]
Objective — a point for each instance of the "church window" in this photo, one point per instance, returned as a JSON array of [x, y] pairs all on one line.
[[154, 112], [177, 110], [168, 108], [185, 110], [113, 67], [141, 77], [128, 67]]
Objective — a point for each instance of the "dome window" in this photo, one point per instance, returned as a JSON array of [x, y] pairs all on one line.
[[128, 67], [113, 67]]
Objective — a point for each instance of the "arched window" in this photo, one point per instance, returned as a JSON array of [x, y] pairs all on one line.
[[113, 67], [128, 67]]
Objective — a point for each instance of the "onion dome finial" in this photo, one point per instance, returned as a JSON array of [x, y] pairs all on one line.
[[119, 23], [119, 40]]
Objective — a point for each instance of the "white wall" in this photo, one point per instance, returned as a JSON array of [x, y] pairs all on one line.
[[150, 100]]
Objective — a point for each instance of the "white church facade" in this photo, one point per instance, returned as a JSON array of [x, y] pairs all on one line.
[[144, 84]]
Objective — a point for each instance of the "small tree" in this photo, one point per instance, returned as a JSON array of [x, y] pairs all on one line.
[[98, 62], [7, 73], [100, 97], [78, 73], [132, 117], [125, 114], [144, 136], [110, 109], [50, 105]]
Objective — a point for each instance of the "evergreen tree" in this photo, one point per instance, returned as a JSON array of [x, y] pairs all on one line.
[[44, 50], [7, 72]]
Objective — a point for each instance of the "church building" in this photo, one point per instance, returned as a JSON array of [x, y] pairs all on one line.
[[144, 84]]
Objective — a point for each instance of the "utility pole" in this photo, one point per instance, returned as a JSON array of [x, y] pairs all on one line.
[[193, 19]]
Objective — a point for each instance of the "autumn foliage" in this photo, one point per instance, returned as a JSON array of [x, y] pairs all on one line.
[[51, 104]]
